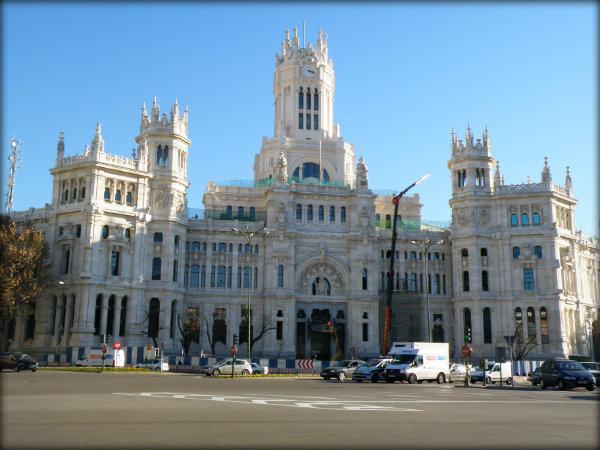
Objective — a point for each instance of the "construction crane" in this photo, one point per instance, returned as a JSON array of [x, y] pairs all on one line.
[[16, 148], [337, 344]]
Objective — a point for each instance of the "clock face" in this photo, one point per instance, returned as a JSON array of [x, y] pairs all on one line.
[[308, 71]]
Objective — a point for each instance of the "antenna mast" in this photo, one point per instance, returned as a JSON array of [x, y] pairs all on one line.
[[15, 160]]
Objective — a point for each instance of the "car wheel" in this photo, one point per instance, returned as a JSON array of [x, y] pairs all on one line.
[[17, 368], [590, 388], [441, 378], [33, 370], [358, 381], [542, 384], [77, 365], [157, 368], [342, 376], [534, 383], [412, 378], [561, 385], [326, 378], [488, 380], [374, 378], [216, 372], [509, 381], [245, 372]]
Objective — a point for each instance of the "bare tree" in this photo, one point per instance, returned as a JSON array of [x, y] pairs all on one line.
[[208, 335], [189, 331], [522, 347]]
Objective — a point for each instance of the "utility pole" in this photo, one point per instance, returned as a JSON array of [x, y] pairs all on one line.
[[390, 278]]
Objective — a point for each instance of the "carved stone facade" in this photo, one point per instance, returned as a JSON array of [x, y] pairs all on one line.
[[306, 243]]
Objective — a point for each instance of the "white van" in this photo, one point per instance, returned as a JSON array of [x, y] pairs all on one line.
[[492, 374], [418, 361], [93, 358]]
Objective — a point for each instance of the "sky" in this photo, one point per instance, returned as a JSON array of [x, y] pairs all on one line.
[[406, 75]]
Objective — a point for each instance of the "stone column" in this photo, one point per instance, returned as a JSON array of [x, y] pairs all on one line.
[[68, 318], [103, 315], [116, 319], [57, 319], [538, 327]]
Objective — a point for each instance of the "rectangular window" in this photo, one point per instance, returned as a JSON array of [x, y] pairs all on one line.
[[365, 332], [239, 277], [309, 213], [332, 214], [487, 326], [528, 279], [194, 275], [221, 271], [308, 121], [412, 283], [186, 268], [436, 283], [246, 276], [444, 284], [212, 276], [316, 121], [66, 260], [364, 279], [343, 214], [298, 212], [202, 277], [484, 281], [280, 276], [229, 277], [175, 270], [300, 121], [279, 336], [466, 281], [156, 268]]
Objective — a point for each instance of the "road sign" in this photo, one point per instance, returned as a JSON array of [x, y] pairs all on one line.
[[465, 351], [149, 347], [104, 349], [117, 345], [233, 350]]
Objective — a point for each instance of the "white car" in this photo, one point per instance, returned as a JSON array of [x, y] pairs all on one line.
[[457, 372], [257, 368], [242, 367], [153, 364]]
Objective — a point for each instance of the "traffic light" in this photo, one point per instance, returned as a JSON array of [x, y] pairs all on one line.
[[467, 335], [235, 339]]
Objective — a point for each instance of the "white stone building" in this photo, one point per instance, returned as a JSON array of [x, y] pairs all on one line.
[[129, 259]]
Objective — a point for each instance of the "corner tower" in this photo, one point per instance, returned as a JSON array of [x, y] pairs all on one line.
[[303, 87]]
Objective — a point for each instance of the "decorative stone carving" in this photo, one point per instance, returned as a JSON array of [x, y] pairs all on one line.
[[482, 218], [362, 181], [281, 173], [324, 270], [161, 199], [281, 217]]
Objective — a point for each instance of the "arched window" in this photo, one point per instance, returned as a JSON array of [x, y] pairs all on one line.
[[377, 220], [158, 237], [321, 286], [255, 281], [221, 274], [123, 318], [467, 326], [239, 277], [518, 321], [156, 268], [525, 219], [388, 221], [128, 234], [530, 324], [212, 276], [487, 326], [239, 248], [516, 251], [321, 213], [106, 193], [298, 212], [214, 247], [300, 99], [229, 277], [332, 214], [246, 276], [343, 214], [104, 231], [166, 155], [280, 276], [186, 270], [309, 213], [97, 315], [536, 218], [413, 255], [316, 101], [240, 212], [246, 248], [188, 246], [256, 249], [203, 276], [252, 213], [159, 155], [110, 316], [129, 198], [544, 325], [153, 318], [513, 220], [118, 195], [230, 247], [195, 245], [194, 275], [204, 246], [228, 212], [538, 251]]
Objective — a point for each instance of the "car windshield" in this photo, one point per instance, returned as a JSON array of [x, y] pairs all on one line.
[[23, 356], [403, 359], [372, 362], [569, 365], [591, 365], [343, 364]]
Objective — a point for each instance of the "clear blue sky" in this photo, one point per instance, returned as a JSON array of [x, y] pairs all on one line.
[[406, 74]]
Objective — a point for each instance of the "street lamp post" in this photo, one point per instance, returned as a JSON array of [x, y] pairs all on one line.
[[390, 279], [249, 236], [424, 246]]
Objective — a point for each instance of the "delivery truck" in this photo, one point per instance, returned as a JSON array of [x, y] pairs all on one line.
[[416, 362], [93, 358]]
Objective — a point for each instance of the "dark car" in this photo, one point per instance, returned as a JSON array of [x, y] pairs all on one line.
[[534, 377], [594, 368], [565, 374], [17, 361], [342, 369]]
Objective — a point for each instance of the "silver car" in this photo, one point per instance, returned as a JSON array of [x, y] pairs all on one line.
[[342, 369], [242, 367]]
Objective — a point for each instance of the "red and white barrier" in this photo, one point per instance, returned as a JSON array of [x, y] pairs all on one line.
[[305, 363]]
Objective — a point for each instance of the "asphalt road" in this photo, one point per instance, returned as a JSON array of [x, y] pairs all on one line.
[[50, 409]]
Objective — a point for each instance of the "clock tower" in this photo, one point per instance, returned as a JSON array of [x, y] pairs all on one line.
[[303, 87]]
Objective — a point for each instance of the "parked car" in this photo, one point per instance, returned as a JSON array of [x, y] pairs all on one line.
[[223, 367], [342, 369], [153, 364], [372, 370], [535, 376], [258, 369], [492, 373], [457, 372], [17, 361], [594, 368], [565, 374]]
